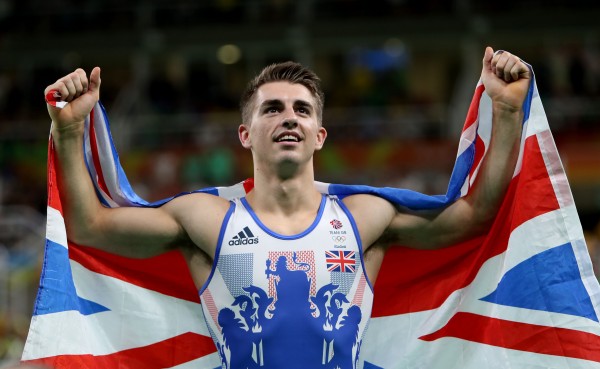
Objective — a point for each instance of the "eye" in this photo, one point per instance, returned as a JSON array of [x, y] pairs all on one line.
[[303, 110], [271, 110]]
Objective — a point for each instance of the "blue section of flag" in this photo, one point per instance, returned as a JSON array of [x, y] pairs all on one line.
[[57, 290], [403, 197], [548, 281], [529, 98], [371, 366]]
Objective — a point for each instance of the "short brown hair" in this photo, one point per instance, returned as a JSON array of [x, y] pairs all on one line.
[[291, 72]]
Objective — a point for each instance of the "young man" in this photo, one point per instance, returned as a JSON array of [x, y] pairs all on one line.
[[285, 274]]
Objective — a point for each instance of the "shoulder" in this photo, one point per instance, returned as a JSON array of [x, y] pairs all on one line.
[[372, 215], [195, 198], [362, 203], [197, 204], [200, 216]]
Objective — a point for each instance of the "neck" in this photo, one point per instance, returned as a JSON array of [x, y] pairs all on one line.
[[284, 191]]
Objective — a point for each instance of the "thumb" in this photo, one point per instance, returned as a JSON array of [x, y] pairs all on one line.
[[95, 81], [487, 59]]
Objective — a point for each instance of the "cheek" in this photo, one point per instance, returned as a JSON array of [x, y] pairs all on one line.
[[259, 135]]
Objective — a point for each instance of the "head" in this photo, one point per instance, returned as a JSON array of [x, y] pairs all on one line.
[[291, 72]]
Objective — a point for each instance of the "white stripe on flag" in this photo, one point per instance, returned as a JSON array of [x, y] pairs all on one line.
[[129, 324], [55, 227], [231, 192], [391, 348]]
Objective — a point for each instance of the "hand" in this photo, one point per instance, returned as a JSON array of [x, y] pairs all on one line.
[[81, 93], [506, 79]]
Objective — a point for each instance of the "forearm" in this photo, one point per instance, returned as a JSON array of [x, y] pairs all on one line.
[[81, 208], [498, 165]]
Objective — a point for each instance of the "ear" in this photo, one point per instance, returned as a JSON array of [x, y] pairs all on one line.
[[321, 136], [244, 135]]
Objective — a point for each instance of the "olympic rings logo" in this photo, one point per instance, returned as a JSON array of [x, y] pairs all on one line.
[[338, 238]]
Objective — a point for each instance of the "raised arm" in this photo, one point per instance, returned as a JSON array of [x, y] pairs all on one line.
[[506, 79], [128, 231]]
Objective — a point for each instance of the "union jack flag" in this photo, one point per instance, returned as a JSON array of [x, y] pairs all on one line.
[[521, 296], [340, 261]]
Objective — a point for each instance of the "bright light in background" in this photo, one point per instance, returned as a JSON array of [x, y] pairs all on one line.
[[229, 54], [394, 46]]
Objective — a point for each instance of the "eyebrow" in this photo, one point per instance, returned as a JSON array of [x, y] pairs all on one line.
[[277, 102], [272, 102], [303, 104]]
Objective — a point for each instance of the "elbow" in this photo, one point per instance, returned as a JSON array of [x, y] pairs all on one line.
[[482, 220], [82, 231]]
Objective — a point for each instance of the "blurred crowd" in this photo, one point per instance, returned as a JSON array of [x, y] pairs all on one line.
[[398, 76]]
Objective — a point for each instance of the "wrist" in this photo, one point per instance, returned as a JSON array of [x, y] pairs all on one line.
[[67, 131], [507, 120], [503, 107]]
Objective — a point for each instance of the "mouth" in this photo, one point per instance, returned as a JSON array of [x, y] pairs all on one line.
[[288, 137]]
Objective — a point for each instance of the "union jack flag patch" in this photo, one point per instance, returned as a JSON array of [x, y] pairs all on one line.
[[341, 261]]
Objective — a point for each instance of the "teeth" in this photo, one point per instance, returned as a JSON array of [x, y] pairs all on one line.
[[288, 138]]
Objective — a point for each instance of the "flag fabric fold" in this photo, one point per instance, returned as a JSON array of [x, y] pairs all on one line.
[[521, 296]]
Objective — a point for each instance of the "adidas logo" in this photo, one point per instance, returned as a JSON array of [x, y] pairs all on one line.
[[244, 237]]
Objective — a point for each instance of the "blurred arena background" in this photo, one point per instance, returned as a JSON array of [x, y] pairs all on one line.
[[398, 77]]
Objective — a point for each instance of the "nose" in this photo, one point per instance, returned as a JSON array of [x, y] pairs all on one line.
[[290, 123]]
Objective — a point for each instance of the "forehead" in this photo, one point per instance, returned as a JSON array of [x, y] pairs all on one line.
[[283, 91]]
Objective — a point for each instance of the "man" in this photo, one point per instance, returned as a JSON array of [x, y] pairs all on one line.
[[285, 274]]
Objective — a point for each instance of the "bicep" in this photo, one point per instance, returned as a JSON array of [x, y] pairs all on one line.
[[135, 232], [378, 221], [191, 220], [433, 229]]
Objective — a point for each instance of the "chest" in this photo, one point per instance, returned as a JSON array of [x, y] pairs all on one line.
[[259, 255], [331, 227]]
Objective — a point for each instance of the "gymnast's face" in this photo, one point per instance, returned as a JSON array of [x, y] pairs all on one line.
[[284, 124]]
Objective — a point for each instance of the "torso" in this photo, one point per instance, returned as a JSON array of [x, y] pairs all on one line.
[[299, 301]]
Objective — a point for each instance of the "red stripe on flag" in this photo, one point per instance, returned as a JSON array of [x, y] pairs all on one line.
[[520, 336], [165, 354], [536, 195], [479, 152], [95, 156], [248, 184], [473, 112], [53, 194], [423, 279], [166, 273]]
